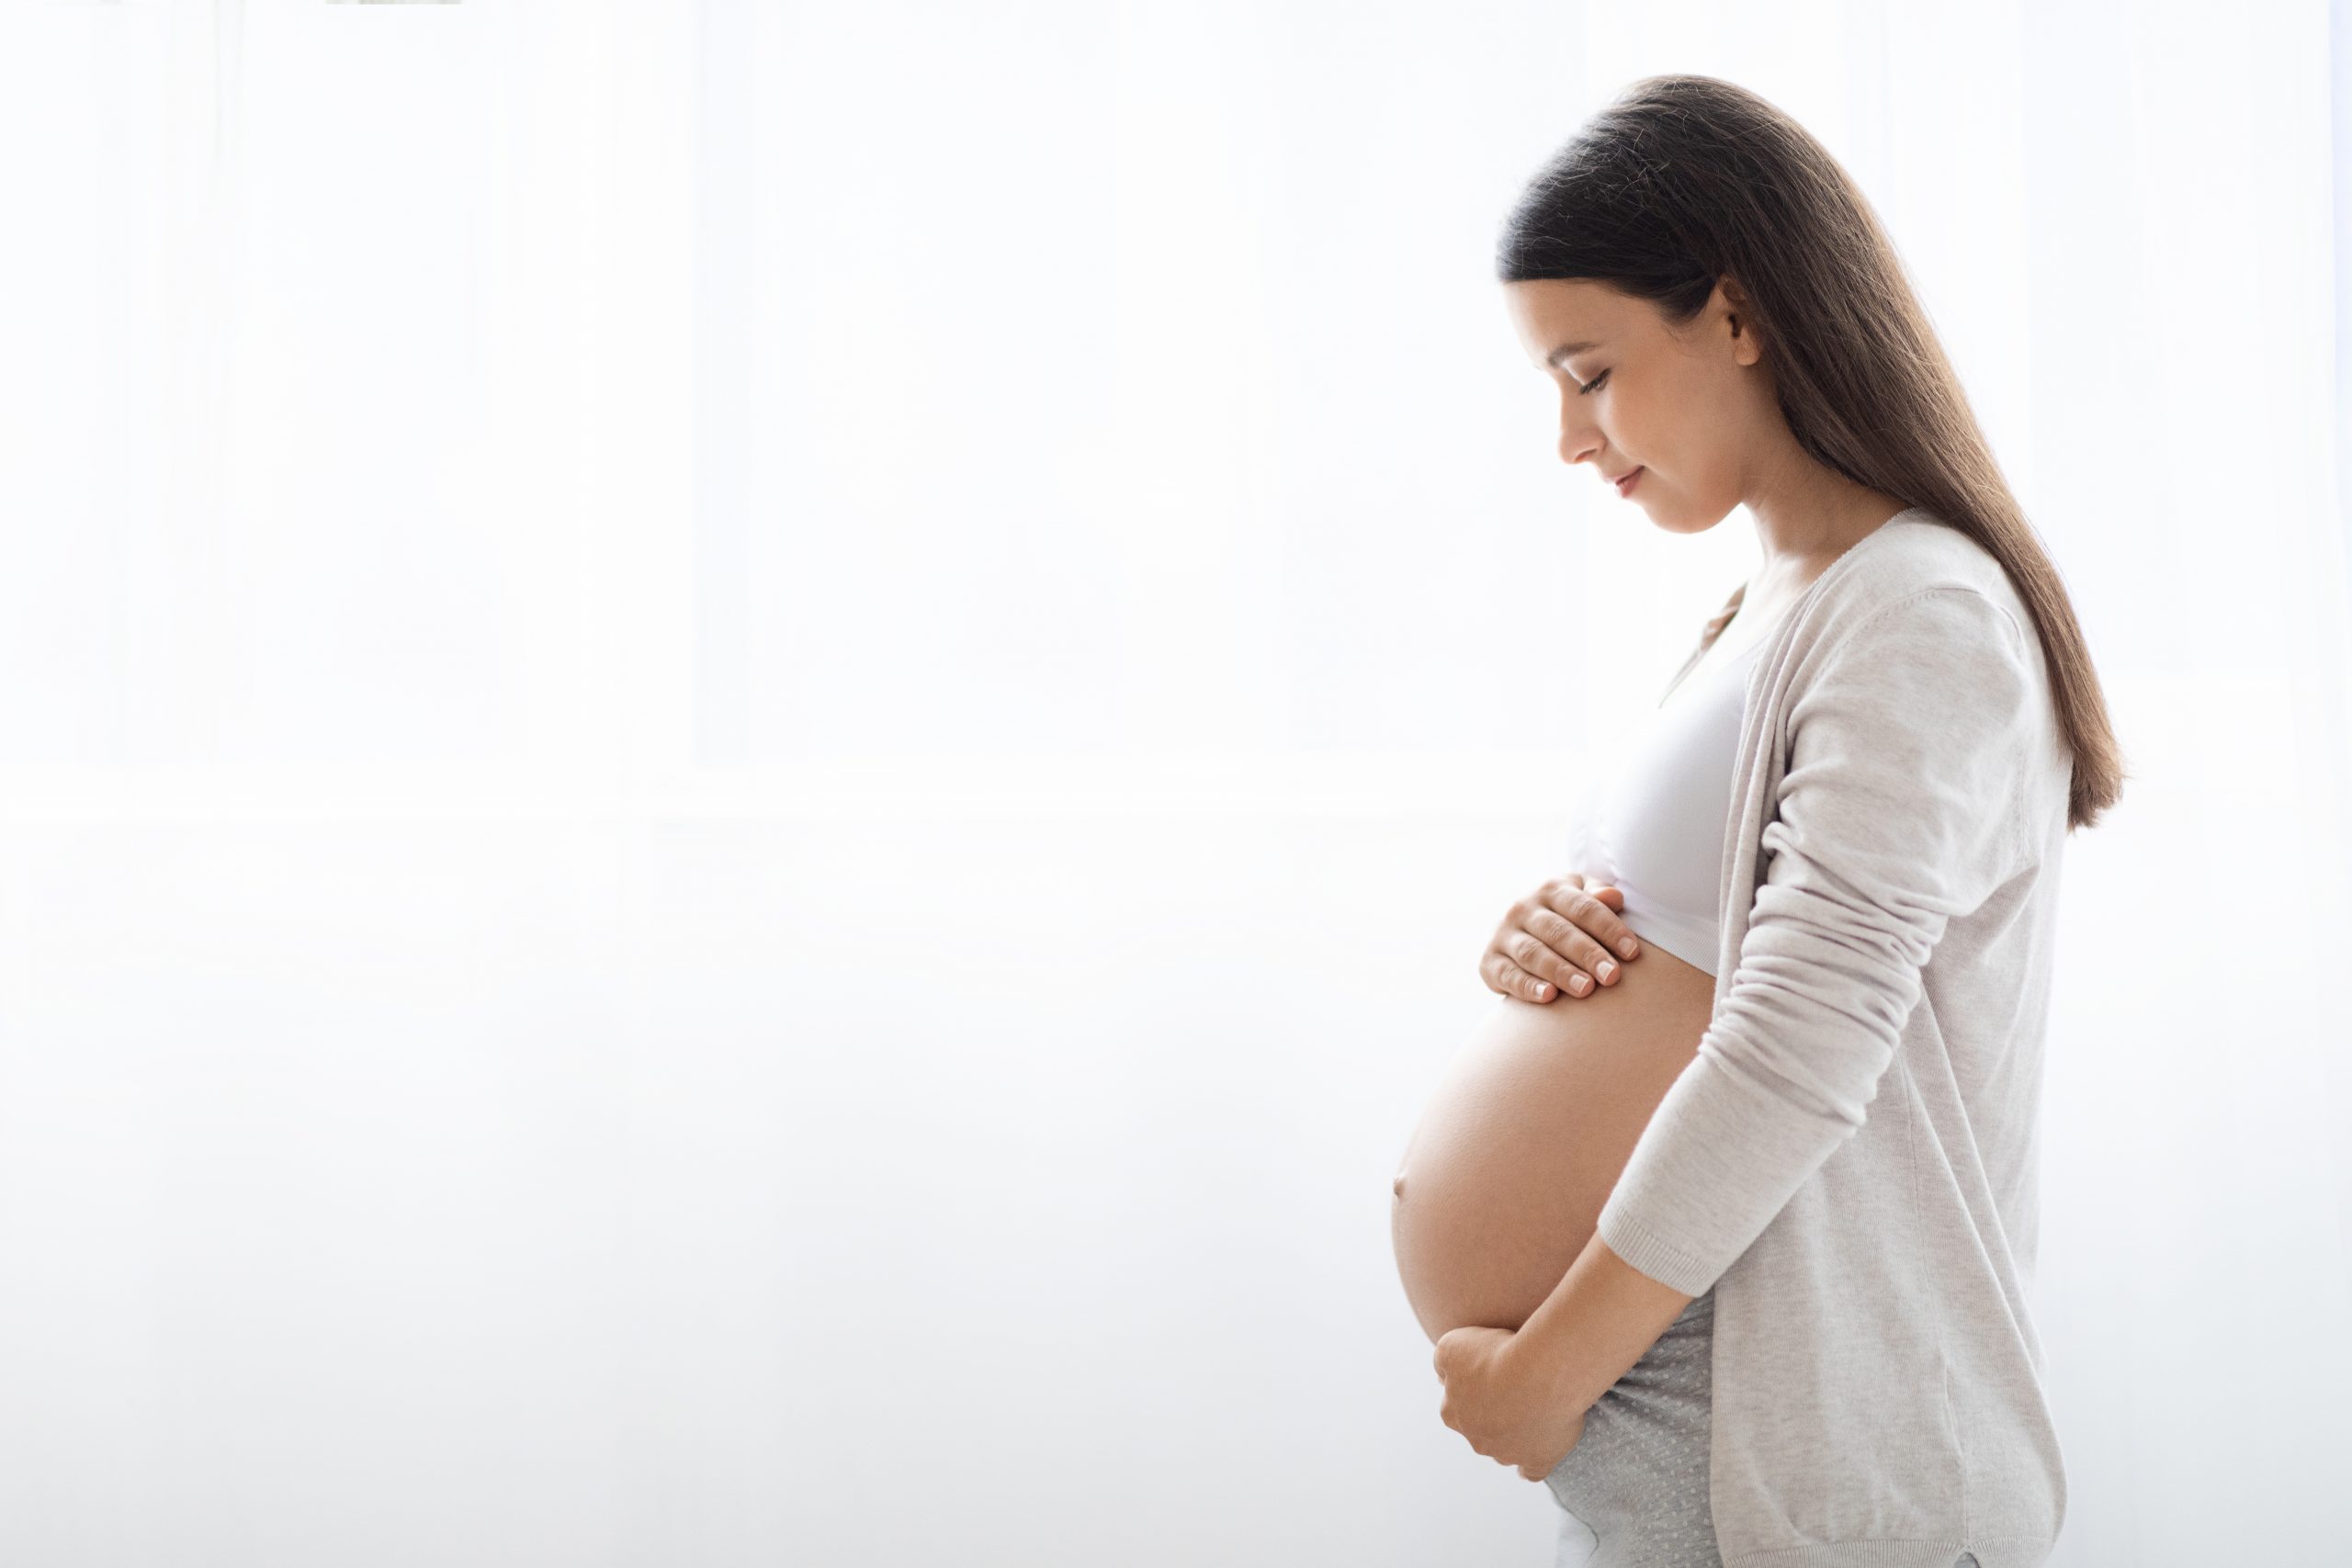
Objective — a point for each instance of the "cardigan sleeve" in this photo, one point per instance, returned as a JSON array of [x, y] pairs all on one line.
[[1896, 813]]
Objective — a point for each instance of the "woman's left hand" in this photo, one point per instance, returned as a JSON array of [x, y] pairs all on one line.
[[1508, 1411]]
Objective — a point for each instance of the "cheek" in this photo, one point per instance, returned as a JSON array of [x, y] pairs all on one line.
[[1639, 428], [1661, 422], [1693, 411]]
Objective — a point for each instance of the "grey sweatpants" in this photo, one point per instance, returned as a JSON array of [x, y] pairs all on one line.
[[1637, 1479], [1634, 1490]]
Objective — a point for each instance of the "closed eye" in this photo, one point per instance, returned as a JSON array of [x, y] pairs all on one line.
[[1588, 387]]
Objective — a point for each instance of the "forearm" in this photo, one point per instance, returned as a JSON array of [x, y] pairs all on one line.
[[1601, 1318]]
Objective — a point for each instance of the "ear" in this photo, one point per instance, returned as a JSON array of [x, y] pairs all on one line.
[[1745, 347]]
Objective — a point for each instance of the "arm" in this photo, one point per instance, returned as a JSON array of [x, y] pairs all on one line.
[[1601, 1318], [1895, 816], [1521, 1396]]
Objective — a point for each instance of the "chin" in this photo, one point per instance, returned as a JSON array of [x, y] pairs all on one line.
[[1686, 522]]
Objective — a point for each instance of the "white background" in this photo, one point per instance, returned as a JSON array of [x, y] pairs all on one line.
[[753, 756]]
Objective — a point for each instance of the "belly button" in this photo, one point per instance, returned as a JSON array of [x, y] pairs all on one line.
[[1400, 1184]]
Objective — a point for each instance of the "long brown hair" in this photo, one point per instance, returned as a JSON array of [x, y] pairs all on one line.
[[1683, 180]]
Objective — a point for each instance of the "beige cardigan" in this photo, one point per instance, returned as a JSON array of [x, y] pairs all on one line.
[[1849, 1162]]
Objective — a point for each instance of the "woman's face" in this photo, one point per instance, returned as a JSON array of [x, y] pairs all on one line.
[[1692, 408]]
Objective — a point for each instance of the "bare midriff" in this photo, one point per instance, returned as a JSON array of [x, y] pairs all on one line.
[[1503, 1181]]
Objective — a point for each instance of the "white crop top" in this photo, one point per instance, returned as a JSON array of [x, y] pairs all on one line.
[[1653, 826]]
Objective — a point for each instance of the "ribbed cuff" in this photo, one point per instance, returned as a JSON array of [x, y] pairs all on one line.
[[1651, 1253]]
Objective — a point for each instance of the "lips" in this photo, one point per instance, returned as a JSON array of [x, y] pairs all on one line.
[[1625, 483]]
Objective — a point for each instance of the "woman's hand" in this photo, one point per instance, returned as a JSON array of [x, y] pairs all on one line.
[[1560, 938], [1508, 1411]]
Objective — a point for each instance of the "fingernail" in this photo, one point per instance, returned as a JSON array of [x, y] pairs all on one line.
[[1604, 969], [1579, 985], [1626, 947]]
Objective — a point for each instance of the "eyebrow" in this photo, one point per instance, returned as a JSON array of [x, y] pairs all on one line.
[[1565, 349]]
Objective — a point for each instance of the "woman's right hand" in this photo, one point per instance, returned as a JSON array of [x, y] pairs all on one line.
[[1563, 937]]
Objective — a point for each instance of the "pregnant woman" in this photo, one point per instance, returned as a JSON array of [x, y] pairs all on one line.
[[1730, 1245]]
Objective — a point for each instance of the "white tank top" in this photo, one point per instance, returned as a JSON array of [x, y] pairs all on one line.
[[1652, 824]]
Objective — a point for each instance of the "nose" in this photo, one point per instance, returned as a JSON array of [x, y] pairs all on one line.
[[1575, 445], [1579, 437]]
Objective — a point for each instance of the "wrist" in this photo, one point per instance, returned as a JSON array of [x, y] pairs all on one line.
[[1541, 1362]]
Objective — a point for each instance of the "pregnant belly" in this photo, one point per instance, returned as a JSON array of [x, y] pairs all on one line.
[[1503, 1181]]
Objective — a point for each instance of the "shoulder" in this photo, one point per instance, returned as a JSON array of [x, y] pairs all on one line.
[[1918, 598], [1925, 644], [1913, 560]]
